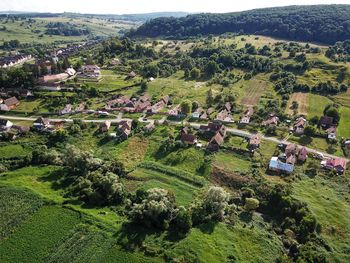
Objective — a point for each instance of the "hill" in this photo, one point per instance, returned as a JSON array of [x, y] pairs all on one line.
[[318, 23]]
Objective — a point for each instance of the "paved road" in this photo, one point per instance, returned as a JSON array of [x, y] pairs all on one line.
[[236, 132]]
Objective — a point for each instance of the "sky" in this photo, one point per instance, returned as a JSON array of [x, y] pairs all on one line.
[[146, 6]]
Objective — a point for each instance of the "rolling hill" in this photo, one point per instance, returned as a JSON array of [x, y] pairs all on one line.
[[318, 23]]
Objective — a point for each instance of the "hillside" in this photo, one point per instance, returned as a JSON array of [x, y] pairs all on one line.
[[320, 23]]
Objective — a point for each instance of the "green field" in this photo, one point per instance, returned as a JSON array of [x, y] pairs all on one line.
[[12, 151], [327, 200], [344, 124], [145, 179], [36, 237]]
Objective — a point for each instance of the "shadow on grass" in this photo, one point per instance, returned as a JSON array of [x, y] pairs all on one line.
[[131, 236], [207, 228], [58, 179], [246, 217]]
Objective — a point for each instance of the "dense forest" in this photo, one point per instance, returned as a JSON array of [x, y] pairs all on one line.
[[322, 23]]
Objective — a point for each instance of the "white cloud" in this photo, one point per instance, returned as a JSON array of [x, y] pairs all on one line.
[[144, 6]]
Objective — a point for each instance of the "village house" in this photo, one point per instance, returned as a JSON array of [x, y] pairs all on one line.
[[332, 133], [5, 125], [21, 129], [91, 71], [42, 123], [326, 122], [115, 62], [302, 154], [149, 127], [336, 164], [131, 75], [254, 142], [174, 111], [299, 126], [52, 79], [80, 108], [11, 103], [189, 139], [227, 107], [215, 142], [213, 128], [104, 127], [278, 166], [124, 128], [142, 106], [66, 110], [3, 107], [246, 116], [14, 59], [224, 116], [272, 121]]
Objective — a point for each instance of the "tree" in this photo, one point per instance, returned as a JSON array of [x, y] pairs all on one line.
[[210, 98], [212, 207], [144, 86], [156, 209], [251, 204], [332, 111], [310, 130], [186, 107], [195, 73], [183, 220], [211, 68]]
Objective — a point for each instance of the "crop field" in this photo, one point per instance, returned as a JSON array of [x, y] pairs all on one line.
[[16, 205], [327, 200], [308, 104], [36, 237], [302, 99], [145, 179], [255, 88], [132, 152]]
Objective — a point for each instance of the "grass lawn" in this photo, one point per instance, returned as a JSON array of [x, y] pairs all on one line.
[[326, 199], [40, 180], [12, 151], [189, 159], [344, 124], [145, 179], [219, 243], [231, 162], [316, 105]]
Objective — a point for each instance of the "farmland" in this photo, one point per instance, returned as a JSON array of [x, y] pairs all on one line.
[[164, 163]]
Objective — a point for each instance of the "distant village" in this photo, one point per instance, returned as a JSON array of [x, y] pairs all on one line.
[[214, 129]]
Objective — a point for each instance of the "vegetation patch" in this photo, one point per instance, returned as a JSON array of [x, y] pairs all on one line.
[[36, 237], [16, 205]]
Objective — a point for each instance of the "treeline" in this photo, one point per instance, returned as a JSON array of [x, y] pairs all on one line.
[[340, 52], [66, 29], [319, 23]]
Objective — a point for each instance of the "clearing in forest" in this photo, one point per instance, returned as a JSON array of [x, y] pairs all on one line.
[[255, 89]]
